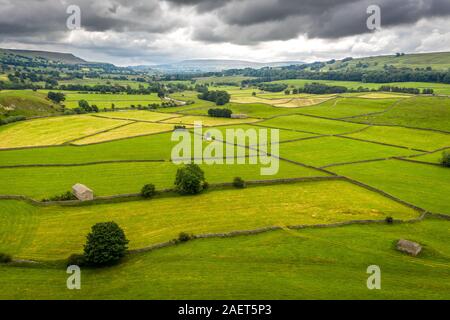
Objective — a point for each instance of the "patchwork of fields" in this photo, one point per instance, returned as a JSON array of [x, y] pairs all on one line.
[[348, 157]]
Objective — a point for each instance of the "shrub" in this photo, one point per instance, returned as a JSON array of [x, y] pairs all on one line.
[[56, 97], [148, 191], [68, 196], [184, 237], [389, 220], [446, 159], [238, 182], [190, 179], [76, 260], [106, 244], [5, 258]]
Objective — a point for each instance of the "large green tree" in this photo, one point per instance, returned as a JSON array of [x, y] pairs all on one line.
[[106, 244]]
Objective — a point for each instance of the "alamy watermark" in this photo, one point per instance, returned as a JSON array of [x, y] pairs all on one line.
[[74, 280], [231, 149], [374, 280], [73, 22], [374, 20]]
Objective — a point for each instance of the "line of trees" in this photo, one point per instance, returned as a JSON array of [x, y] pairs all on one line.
[[220, 113]]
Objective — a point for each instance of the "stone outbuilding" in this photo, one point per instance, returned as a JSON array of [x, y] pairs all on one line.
[[409, 247], [82, 192], [239, 116]]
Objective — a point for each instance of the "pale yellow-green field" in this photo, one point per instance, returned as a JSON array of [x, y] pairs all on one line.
[[131, 130], [208, 121], [138, 115], [380, 95], [288, 102], [53, 131]]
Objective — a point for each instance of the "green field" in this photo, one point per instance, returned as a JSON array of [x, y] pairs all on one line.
[[333, 150], [162, 219], [423, 112], [116, 153], [348, 107], [420, 184], [106, 100], [313, 125], [122, 178], [307, 264]]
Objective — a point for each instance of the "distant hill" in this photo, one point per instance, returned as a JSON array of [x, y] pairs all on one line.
[[435, 60], [55, 57], [212, 65]]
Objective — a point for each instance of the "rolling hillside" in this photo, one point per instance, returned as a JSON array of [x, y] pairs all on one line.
[[25, 103], [55, 57], [435, 60]]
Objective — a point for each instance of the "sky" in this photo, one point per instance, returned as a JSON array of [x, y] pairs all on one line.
[[135, 32]]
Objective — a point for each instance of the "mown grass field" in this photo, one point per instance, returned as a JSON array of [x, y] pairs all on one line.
[[307, 264], [53, 131], [60, 231], [132, 130], [108, 154]]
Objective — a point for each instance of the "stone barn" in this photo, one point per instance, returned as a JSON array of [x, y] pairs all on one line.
[[409, 247], [82, 192]]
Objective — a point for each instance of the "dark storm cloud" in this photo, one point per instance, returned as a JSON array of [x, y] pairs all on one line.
[[315, 18], [201, 5], [24, 17], [139, 28]]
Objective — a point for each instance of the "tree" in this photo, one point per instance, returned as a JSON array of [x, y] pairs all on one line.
[[84, 105], [148, 191], [56, 97], [190, 179], [219, 97], [106, 244]]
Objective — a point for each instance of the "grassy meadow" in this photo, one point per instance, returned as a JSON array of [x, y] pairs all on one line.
[[162, 219], [307, 264], [360, 136]]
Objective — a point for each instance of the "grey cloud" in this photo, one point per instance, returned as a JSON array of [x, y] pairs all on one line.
[[23, 17], [315, 18]]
